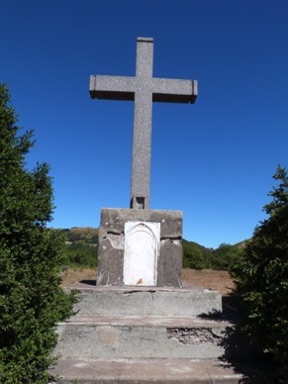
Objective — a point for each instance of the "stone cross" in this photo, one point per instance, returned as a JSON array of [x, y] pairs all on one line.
[[143, 89]]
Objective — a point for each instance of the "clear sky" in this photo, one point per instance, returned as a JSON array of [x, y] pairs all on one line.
[[214, 159]]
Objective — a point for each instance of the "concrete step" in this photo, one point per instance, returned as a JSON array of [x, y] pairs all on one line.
[[144, 371], [113, 337], [146, 301], [131, 335]]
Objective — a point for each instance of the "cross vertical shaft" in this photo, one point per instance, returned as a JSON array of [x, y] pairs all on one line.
[[141, 151]]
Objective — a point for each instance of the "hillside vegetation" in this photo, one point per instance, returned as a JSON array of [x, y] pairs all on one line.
[[81, 249], [81, 246]]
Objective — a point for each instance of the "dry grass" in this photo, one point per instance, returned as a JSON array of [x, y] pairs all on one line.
[[215, 280], [73, 275]]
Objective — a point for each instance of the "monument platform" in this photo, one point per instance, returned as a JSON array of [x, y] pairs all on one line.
[[146, 301], [143, 335]]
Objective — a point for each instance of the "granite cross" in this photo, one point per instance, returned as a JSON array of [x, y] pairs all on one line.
[[143, 89]]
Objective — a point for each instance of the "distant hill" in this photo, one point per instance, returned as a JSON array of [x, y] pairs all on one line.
[[90, 234], [83, 235], [81, 249], [242, 244]]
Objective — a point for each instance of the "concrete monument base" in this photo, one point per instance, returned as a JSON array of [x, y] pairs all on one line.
[[140, 247], [142, 335]]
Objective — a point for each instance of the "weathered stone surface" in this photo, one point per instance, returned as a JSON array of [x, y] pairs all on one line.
[[114, 219], [147, 371], [110, 259], [139, 322], [112, 245], [169, 267], [134, 341], [147, 301]]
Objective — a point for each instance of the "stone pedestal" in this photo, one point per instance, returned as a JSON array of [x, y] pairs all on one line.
[[143, 335], [140, 247], [142, 322]]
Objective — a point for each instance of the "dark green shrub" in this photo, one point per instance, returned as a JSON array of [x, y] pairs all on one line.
[[262, 278], [225, 256], [81, 255], [31, 301]]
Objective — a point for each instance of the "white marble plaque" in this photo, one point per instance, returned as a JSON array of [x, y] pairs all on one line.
[[141, 252]]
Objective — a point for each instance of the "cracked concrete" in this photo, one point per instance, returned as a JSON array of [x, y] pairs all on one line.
[[194, 336]]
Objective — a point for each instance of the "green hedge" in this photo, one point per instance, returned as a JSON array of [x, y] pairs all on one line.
[[262, 279], [31, 258]]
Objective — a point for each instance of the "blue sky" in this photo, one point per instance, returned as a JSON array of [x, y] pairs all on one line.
[[214, 159]]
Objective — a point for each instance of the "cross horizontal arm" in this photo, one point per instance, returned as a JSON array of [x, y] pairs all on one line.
[[174, 90], [112, 87]]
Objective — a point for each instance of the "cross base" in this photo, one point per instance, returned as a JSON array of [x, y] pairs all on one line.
[[140, 247]]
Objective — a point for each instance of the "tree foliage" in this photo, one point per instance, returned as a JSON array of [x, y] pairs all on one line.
[[225, 256], [31, 300], [81, 255], [222, 258], [262, 278], [195, 256], [81, 247]]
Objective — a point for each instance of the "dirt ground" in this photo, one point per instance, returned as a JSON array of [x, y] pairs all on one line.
[[215, 280]]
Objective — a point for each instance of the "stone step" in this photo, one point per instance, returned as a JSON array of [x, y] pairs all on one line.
[[113, 337], [147, 301], [144, 371]]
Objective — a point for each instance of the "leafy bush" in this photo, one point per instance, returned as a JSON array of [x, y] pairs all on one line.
[[224, 257], [81, 247], [31, 301], [81, 255], [262, 278], [195, 256]]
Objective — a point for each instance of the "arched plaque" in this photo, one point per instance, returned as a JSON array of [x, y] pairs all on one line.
[[141, 252]]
